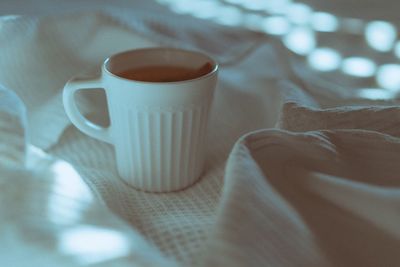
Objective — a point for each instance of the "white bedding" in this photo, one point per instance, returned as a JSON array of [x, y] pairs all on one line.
[[296, 176]]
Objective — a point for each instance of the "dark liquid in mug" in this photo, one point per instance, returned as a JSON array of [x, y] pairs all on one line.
[[165, 73]]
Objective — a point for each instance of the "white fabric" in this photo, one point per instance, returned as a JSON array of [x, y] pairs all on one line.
[[49, 216], [325, 193], [12, 128], [319, 191]]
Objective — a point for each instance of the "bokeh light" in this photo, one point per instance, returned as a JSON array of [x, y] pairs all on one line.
[[299, 13], [380, 35], [305, 32], [324, 59], [388, 77], [181, 6], [276, 25], [206, 9], [358, 67], [375, 94], [277, 7], [324, 22], [230, 16], [300, 40]]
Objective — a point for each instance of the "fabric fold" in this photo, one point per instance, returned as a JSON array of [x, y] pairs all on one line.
[[321, 191], [13, 142]]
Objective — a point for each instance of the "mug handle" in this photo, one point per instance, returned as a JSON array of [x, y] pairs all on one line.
[[76, 117]]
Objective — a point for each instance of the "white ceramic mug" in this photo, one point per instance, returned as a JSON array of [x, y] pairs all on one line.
[[158, 129]]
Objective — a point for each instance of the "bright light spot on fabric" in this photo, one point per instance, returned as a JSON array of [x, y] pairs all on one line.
[[206, 9], [324, 22], [91, 244], [277, 7], [181, 6], [380, 35], [230, 16], [388, 77], [68, 189], [276, 25], [375, 94], [300, 40], [324, 59], [299, 13], [358, 67]]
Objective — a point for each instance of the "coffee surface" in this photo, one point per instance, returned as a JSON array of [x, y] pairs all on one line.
[[164, 73]]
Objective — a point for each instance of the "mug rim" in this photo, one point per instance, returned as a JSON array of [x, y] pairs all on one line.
[[215, 65]]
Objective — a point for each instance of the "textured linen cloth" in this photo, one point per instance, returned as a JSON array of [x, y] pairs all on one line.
[[49, 216], [288, 181]]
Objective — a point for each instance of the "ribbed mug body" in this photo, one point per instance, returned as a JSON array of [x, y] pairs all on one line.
[[160, 149], [159, 130]]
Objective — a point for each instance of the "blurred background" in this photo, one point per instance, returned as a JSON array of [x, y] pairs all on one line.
[[350, 46]]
